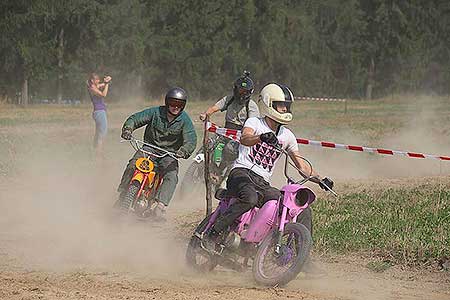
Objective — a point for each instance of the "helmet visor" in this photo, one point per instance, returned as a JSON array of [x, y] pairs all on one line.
[[176, 103], [282, 106]]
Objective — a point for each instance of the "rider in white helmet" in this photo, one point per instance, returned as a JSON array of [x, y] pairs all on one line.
[[258, 154]]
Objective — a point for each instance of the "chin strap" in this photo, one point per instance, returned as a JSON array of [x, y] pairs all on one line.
[[278, 128]]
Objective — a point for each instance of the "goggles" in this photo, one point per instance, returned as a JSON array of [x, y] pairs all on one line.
[[176, 103]]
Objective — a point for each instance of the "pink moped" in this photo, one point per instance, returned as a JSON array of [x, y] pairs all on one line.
[[270, 236]]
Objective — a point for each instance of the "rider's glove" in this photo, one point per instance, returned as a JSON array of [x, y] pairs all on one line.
[[326, 183], [126, 133], [181, 154], [203, 116], [269, 138]]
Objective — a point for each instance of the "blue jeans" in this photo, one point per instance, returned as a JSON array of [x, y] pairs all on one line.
[[101, 126]]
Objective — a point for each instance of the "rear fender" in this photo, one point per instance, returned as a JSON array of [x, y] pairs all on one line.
[[221, 208]]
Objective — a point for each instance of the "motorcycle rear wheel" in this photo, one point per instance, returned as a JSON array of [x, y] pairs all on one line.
[[205, 262], [273, 269]]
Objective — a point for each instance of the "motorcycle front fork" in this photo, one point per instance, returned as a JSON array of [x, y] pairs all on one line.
[[283, 211]]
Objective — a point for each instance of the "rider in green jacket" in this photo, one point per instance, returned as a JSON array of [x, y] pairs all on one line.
[[168, 127]]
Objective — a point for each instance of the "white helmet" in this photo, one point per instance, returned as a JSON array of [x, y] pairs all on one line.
[[272, 95]]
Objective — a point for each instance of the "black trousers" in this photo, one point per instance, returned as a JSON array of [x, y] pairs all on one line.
[[245, 184]]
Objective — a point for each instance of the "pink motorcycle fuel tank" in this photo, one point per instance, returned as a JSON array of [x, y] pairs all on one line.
[[263, 221]]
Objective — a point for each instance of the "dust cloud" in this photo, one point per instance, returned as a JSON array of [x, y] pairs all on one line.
[[56, 215], [423, 130]]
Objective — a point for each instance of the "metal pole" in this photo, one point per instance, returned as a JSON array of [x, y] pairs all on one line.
[[206, 168]]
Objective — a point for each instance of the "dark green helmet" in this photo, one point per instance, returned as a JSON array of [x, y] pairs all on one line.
[[243, 87]]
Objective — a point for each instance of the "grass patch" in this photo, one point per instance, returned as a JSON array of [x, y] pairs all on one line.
[[378, 266], [403, 224]]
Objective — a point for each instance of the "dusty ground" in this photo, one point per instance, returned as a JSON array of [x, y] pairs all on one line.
[[60, 240], [59, 248]]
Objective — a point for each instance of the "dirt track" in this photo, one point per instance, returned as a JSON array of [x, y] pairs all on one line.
[[59, 240], [45, 254]]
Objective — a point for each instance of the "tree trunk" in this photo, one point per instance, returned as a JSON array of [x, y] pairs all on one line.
[[370, 79], [60, 64], [24, 95]]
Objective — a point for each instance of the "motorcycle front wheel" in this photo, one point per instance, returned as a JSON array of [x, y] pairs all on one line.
[[271, 268], [196, 257], [128, 198], [193, 179]]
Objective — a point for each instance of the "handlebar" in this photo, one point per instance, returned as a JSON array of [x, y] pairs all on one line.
[[305, 176], [138, 145]]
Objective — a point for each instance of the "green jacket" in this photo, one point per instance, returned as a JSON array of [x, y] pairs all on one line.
[[173, 136]]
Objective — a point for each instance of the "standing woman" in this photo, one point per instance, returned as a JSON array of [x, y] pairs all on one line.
[[97, 92]]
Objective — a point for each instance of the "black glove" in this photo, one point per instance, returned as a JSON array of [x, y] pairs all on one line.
[[269, 138], [181, 154], [326, 182], [126, 133]]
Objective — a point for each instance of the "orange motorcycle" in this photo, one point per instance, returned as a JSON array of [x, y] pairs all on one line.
[[139, 198]]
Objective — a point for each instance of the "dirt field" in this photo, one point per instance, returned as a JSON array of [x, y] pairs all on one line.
[[59, 238]]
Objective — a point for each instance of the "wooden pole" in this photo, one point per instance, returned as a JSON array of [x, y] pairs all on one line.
[[206, 168]]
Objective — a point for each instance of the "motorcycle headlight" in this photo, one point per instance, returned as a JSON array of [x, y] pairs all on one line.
[[144, 165], [302, 197]]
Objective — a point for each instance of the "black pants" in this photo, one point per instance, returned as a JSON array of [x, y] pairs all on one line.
[[245, 184]]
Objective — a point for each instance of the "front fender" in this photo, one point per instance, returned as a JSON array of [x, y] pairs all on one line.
[[139, 177]]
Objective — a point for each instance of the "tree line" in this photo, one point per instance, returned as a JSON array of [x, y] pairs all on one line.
[[340, 48]]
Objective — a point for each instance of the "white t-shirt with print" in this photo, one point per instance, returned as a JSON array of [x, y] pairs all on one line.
[[261, 158]]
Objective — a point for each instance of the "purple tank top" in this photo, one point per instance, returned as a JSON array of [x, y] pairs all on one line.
[[97, 101]]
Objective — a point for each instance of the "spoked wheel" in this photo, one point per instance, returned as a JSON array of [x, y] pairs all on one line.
[[271, 268], [128, 198], [193, 179], [196, 256]]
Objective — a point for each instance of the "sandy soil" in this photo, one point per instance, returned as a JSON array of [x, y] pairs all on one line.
[[59, 238], [59, 248]]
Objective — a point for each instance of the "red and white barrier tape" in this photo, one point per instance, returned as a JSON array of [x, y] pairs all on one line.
[[236, 135], [231, 133], [320, 99], [371, 150]]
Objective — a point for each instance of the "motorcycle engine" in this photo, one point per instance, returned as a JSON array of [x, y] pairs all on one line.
[[232, 241]]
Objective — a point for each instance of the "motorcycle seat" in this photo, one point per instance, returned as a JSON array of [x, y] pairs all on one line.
[[222, 193]]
